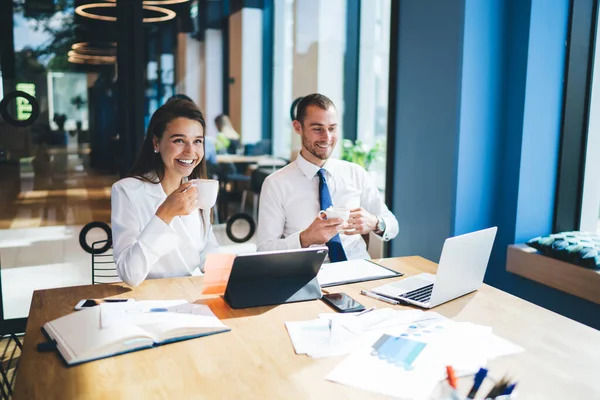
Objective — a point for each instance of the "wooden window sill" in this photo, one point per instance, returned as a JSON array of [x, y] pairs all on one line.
[[529, 263]]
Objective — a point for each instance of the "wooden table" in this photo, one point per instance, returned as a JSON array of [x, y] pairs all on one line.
[[256, 359]]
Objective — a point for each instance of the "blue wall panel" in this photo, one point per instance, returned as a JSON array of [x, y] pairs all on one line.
[[542, 120], [480, 116], [427, 121], [479, 109]]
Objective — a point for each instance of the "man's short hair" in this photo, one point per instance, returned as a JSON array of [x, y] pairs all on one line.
[[315, 99]]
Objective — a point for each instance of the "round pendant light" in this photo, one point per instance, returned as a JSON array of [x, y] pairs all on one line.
[[82, 10], [158, 2]]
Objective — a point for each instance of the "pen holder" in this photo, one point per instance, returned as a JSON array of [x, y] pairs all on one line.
[[443, 390]]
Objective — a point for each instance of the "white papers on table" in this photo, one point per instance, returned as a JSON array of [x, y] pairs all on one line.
[[338, 334], [351, 271], [381, 319], [361, 370], [323, 337], [409, 359]]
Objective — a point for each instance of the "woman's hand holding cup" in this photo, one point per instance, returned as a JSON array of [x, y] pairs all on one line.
[[182, 201]]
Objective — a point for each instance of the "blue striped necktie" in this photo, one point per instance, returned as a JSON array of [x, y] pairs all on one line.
[[336, 250]]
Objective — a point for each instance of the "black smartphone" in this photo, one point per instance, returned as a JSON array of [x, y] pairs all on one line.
[[341, 302], [86, 303]]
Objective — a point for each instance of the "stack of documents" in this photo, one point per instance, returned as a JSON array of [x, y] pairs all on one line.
[[407, 359], [339, 273], [337, 334], [323, 337]]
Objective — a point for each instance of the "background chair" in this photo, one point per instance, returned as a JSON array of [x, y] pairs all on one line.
[[256, 181], [9, 364], [104, 269], [10, 348], [11, 355], [230, 175]]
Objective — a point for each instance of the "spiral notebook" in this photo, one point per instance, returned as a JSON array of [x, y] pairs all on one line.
[[116, 328]]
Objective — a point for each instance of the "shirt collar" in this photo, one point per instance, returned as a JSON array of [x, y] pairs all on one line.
[[154, 189], [309, 169]]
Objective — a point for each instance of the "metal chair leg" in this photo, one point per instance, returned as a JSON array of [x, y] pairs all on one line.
[[243, 204], [215, 210], [255, 207]]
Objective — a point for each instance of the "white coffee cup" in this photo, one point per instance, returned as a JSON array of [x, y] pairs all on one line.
[[207, 189], [336, 212]]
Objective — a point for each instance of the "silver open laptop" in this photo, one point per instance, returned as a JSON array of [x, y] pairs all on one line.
[[461, 269]]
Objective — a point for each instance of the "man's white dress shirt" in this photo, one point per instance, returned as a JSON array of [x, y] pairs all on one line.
[[144, 246], [289, 202]]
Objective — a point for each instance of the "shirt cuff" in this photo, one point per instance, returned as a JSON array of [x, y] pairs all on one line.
[[385, 236], [159, 237], [293, 241]]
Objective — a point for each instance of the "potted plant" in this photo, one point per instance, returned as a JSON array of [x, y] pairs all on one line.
[[359, 153]]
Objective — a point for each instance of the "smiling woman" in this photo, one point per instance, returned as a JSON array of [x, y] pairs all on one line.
[[158, 230]]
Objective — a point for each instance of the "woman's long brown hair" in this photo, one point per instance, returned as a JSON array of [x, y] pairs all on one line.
[[149, 165]]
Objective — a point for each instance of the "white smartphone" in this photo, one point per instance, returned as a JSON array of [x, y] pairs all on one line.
[[87, 303]]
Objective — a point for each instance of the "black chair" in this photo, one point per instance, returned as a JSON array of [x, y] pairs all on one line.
[[231, 176], [9, 364], [256, 181], [104, 269], [11, 347]]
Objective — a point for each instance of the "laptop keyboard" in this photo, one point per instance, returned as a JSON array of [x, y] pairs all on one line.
[[422, 294]]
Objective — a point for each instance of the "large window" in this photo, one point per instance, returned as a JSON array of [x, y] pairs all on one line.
[[312, 51], [578, 181], [374, 54], [310, 48], [590, 208]]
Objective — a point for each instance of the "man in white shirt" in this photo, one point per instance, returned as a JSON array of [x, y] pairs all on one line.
[[292, 198]]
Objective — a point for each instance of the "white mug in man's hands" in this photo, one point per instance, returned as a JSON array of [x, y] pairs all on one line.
[[207, 189], [336, 212]]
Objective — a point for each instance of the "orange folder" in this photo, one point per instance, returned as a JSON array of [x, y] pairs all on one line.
[[217, 269]]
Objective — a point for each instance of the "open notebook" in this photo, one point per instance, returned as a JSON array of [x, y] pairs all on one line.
[[117, 328]]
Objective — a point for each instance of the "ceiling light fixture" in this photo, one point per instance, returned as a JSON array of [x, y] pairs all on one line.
[[96, 49], [81, 10], [158, 2], [77, 60], [101, 53], [91, 57]]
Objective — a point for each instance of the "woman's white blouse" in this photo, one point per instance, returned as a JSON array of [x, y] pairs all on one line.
[[144, 246]]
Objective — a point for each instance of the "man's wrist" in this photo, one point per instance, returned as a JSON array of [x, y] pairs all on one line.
[[303, 241], [379, 226]]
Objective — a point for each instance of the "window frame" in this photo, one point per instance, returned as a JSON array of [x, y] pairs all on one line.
[[583, 16]]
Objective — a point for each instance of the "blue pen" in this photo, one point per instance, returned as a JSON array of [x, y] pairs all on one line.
[[509, 389], [479, 377]]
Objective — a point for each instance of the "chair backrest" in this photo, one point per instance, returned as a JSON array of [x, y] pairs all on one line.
[[258, 178], [104, 269], [11, 348]]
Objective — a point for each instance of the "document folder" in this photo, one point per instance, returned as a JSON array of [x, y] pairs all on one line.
[[270, 278]]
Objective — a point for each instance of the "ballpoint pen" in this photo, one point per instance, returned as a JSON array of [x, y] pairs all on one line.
[[509, 389], [479, 377], [378, 297], [498, 388]]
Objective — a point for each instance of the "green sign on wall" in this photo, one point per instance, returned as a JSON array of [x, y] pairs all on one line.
[[24, 108]]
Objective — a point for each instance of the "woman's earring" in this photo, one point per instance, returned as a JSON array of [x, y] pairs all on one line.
[[156, 151]]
